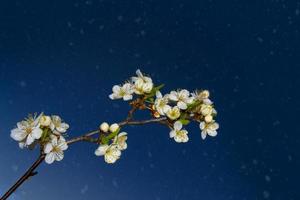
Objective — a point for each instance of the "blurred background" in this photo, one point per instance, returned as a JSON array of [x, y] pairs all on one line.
[[63, 57]]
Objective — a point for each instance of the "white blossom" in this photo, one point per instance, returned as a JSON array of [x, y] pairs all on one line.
[[209, 129], [206, 109], [114, 127], [57, 126], [182, 97], [104, 127], [111, 152], [120, 92], [201, 95], [142, 84], [45, 120], [120, 141], [27, 131], [161, 103], [179, 134], [54, 149], [173, 113]]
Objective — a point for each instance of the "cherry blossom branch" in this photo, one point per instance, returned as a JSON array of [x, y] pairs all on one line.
[[174, 110]]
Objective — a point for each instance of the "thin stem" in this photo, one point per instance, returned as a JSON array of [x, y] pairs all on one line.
[[30, 172]]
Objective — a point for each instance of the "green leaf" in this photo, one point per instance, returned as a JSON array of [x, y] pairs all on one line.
[[193, 105], [106, 139], [184, 121]]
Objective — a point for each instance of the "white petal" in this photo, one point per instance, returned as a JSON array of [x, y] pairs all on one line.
[[182, 105], [172, 134], [177, 125], [127, 97], [158, 94], [202, 125], [112, 96], [37, 133], [203, 134], [212, 133], [59, 155], [116, 89], [48, 148], [173, 96], [63, 146], [50, 157], [101, 150], [63, 127], [139, 73], [29, 139], [18, 134]]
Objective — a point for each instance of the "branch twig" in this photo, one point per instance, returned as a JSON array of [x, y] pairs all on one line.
[[30, 172]]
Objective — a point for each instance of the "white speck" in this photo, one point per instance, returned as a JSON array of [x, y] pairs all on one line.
[[23, 84], [266, 194], [84, 189], [267, 178]]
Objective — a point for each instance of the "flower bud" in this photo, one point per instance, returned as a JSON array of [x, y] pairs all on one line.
[[104, 127], [208, 118], [45, 120], [114, 127]]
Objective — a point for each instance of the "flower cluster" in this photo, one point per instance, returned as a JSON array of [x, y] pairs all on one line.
[[45, 130], [179, 106], [112, 143]]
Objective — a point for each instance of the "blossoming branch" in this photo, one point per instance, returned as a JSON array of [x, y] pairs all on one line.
[[174, 110]]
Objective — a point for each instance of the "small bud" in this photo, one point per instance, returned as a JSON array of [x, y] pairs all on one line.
[[156, 114], [45, 121], [104, 127], [114, 127], [208, 118]]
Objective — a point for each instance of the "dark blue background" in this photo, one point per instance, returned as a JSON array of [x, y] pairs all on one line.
[[63, 57]]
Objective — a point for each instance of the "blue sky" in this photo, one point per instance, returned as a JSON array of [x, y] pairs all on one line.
[[64, 57]]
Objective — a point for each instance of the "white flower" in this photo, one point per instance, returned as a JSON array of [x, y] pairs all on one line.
[[111, 153], [54, 149], [114, 127], [57, 125], [201, 95], [142, 84], [178, 134], [27, 131], [124, 92], [182, 98], [104, 127], [173, 113], [161, 103], [206, 109], [120, 141], [209, 129], [45, 120]]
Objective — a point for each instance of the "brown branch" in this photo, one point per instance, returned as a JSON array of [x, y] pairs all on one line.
[[30, 172]]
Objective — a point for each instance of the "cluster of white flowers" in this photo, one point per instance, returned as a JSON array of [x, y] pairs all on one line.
[[139, 85], [112, 147], [178, 105], [47, 131]]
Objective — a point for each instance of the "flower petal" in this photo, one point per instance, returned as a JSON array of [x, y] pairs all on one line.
[[182, 105], [37, 133], [18, 134], [101, 150], [50, 157], [177, 125], [48, 148]]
